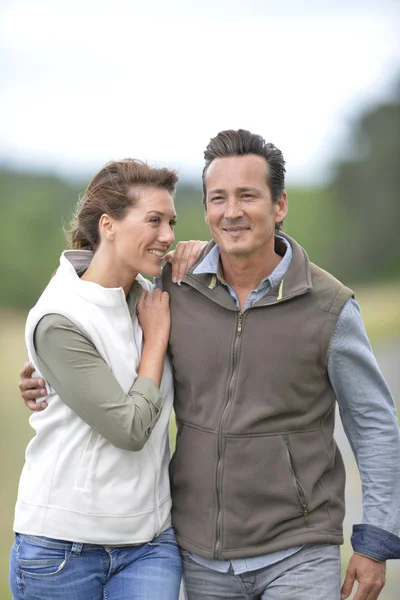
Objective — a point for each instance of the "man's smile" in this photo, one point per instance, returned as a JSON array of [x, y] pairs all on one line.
[[236, 230]]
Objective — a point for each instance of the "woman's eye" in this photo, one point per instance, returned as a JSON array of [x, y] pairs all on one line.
[[172, 224], [155, 220]]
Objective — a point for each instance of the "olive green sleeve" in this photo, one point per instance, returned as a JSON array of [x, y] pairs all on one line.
[[70, 363]]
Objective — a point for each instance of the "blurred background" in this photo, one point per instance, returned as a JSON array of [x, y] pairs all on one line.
[[83, 82]]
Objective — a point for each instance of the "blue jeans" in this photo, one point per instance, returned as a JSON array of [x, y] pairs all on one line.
[[47, 569], [312, 573]]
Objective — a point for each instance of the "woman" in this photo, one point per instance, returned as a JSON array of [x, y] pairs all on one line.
[[92, 517]]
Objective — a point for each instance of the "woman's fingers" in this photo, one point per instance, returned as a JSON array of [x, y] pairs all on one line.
[[183, 257]]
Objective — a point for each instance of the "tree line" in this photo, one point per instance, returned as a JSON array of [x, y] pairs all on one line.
[[349, 227]]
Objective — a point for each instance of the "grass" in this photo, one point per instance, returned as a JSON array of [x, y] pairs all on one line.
[[380, 310], [14, 430]]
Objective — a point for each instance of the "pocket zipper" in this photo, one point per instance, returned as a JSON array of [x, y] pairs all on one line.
[[301, 495]]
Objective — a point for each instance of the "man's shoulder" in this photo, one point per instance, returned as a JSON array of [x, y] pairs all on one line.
[[330, 293], [163, 280]]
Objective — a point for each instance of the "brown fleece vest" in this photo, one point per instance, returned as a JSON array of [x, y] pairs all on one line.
[[256, 468]]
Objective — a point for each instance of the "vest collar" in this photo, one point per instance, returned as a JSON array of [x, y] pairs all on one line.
[[296, 281], [73, 262]]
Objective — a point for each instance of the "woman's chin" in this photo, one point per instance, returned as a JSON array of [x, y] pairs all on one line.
[[153, 271]]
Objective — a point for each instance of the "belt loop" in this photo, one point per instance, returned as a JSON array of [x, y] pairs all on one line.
[[76, 549]]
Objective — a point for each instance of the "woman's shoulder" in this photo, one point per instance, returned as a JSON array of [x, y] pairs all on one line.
[[53, 325]]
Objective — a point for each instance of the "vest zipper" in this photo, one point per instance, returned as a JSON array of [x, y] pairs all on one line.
[[300, 492], [157, 518], [230, 388], [152, 456]]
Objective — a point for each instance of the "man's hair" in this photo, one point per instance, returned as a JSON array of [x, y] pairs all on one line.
[[240, 143], [113, 190]]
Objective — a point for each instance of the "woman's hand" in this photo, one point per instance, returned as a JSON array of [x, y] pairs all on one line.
[[32, 389], [183, 257], [155, 321], [154, 317]]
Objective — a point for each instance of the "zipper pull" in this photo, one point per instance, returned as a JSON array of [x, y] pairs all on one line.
[[239, 329], [305, 514]]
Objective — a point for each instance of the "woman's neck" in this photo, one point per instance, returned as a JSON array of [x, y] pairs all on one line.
[[104, 271]]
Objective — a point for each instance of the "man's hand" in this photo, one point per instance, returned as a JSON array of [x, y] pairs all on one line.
[[31, 389], [370, 574], [183, 257]]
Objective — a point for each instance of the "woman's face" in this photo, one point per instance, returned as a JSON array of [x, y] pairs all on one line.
[[142, 238]]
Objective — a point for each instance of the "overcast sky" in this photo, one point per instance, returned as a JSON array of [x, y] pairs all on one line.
[[84, 81]]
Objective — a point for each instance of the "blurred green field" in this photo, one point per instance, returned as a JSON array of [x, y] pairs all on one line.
[[380, 308]]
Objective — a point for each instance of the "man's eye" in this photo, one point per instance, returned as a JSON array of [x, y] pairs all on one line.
[[216, 199], [248, 196]]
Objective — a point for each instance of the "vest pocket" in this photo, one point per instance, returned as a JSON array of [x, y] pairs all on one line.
[[300, 492], [261, 499], [85, 468]]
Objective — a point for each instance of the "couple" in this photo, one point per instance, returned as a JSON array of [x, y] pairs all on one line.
[[262, 344]]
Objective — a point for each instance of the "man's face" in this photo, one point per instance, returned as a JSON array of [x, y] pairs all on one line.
[[239, 208]]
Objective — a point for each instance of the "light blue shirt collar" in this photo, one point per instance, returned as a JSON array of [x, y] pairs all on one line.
[[210, 265]]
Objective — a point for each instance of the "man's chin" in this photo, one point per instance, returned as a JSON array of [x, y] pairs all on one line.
[[236, 249]]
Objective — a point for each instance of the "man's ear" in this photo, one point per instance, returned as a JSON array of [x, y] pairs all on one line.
[[205, 210], [281, 208]]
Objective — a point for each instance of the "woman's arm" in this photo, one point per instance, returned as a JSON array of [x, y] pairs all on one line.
[[33, 390], [70, 363], [154, 318]]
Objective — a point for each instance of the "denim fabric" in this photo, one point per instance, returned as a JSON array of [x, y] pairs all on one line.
[[310, 574], [242, 565], [375, 542], [48, 569]]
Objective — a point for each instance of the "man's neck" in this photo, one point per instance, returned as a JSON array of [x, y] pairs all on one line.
[[244, 273]]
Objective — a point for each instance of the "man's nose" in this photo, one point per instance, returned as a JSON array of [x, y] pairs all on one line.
[[233, 209]]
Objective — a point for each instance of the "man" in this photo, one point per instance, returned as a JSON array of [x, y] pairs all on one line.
[[263, 342]]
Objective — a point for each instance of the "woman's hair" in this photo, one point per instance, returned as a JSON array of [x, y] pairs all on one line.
[[112, 191]]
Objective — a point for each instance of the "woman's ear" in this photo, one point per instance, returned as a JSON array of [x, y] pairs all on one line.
[[106, 226]]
